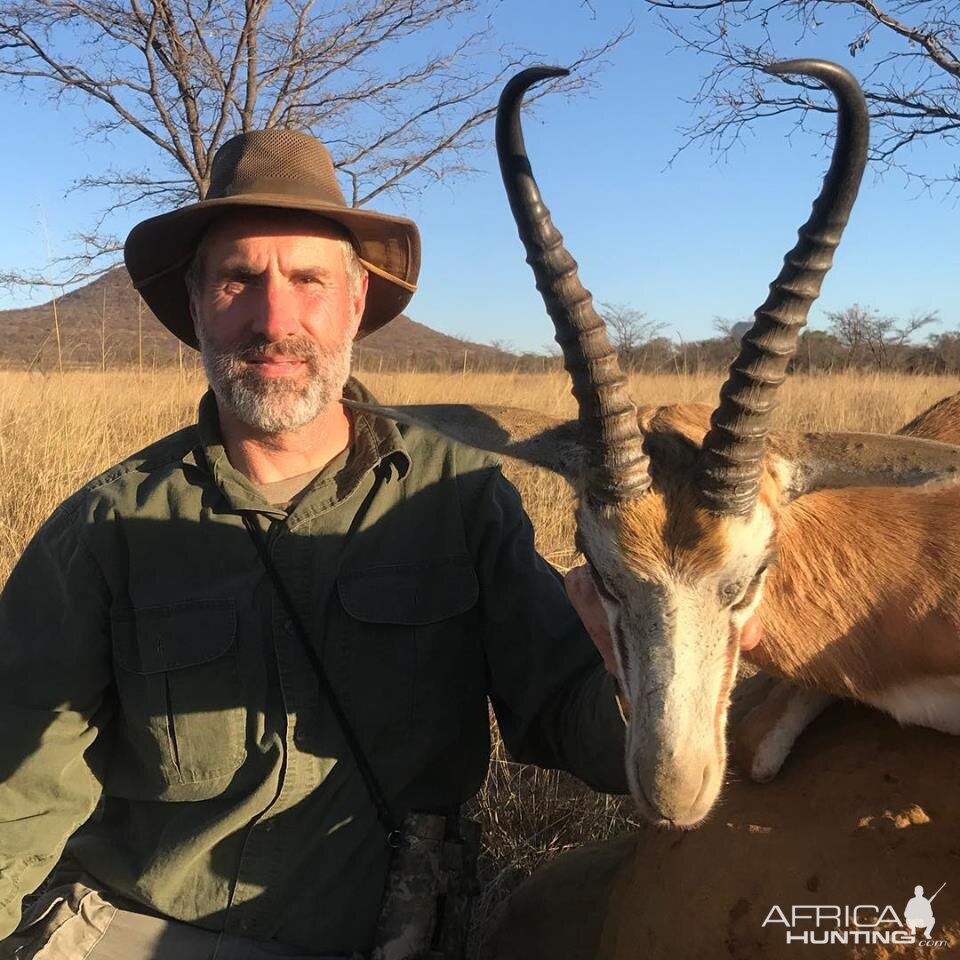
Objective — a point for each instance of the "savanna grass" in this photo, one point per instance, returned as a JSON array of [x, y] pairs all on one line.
[[59, 430]]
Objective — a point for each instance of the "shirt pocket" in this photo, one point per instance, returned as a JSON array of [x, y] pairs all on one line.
[[181, 695], [409, 644]]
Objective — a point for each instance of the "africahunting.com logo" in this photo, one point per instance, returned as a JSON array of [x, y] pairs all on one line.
[[864, 923]]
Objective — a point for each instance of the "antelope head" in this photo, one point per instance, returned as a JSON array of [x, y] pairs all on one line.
[[678, 511]]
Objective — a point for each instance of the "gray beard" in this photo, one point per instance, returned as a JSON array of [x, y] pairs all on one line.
[[276, 405]]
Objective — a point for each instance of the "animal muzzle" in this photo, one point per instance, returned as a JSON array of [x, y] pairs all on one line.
[[674, 782], [676, 790], [676, 753]]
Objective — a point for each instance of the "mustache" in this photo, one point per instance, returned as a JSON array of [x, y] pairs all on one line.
[[259, 348]]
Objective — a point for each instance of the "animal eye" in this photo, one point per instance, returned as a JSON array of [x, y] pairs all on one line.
[[752, 589], [729, 593]]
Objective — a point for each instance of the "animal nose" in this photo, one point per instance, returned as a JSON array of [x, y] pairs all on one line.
[[681, 797]]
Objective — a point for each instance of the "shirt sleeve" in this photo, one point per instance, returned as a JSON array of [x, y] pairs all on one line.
[[554, 701], [54, 668]]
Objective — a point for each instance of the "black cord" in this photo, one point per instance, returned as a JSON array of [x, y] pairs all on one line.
[[366, 771]]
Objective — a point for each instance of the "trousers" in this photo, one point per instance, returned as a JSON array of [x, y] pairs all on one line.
[[77, 922]]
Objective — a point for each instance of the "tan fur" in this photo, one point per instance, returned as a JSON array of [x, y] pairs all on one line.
[[867, 589], [939, 422], [859, 589], [668, 529]]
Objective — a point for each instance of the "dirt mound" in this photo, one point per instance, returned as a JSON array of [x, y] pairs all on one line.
[[862, 812]]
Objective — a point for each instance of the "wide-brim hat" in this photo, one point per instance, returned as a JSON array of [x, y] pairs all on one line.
[[281, 169]]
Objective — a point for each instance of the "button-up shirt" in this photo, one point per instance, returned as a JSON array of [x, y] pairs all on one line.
[[145, 660]]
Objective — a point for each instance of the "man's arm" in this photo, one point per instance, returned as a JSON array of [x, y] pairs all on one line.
[[555, 703], [54, 667]]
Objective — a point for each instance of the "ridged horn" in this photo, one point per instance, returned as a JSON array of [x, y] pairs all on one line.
[[617, 468], [731, 462]]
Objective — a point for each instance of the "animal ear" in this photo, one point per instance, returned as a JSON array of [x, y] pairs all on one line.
[[533, 438], [817, 461]]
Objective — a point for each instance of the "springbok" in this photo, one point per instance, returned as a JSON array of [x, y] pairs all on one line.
[[848, 545]]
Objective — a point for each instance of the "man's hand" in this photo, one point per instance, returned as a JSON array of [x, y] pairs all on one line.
[[586, 601]]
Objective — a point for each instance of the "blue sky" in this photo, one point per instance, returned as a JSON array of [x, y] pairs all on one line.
[[684, 242]]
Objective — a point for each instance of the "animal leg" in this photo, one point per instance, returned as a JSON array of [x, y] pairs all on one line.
[[765, 734]]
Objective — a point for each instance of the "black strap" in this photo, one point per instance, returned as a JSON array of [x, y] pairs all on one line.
[[366, 771]]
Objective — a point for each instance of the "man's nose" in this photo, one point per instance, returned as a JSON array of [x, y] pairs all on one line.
[[275, 312]]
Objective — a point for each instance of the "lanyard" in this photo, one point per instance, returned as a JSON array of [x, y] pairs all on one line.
[[366, 771]]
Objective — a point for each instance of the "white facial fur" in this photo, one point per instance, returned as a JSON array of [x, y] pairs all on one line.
[[676, 648]]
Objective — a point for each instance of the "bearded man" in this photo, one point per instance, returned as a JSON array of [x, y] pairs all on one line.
[[257, 644]]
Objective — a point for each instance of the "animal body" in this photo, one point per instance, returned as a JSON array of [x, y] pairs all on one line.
[[692, 520], [939, 422], [862, 813]]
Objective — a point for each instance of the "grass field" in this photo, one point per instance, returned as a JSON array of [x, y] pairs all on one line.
[[57, 431]]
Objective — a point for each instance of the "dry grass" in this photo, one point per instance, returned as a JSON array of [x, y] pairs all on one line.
[[58, 431]]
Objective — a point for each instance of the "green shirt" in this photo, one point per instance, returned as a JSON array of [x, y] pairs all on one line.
[[144, 658]]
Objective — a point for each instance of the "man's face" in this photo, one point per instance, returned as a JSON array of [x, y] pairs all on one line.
[[275, 313]]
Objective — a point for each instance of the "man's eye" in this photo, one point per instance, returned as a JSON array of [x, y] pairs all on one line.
[[237, 282]]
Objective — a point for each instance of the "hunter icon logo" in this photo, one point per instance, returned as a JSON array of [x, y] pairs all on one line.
[[872, 924], [918, 913]]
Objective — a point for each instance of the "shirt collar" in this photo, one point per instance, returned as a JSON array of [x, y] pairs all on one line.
[[381, 433], [375, 439]]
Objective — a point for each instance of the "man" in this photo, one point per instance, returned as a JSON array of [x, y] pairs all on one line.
[[149, 661], [918, 913]]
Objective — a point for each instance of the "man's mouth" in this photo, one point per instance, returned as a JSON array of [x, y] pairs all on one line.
[[276, 366]]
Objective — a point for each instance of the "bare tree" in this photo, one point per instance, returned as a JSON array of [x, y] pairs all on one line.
[[630, 330], [946, 350], [732, 330], [188, 74], [909, 65], [863, 328], [853, 328]]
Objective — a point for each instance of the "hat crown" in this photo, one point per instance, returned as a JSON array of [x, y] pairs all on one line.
[[273, 169], [274, 161]]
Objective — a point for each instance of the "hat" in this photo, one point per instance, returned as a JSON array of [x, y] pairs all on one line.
[[286, 170]]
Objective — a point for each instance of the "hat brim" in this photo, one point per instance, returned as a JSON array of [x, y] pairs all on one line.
[[159, 250]]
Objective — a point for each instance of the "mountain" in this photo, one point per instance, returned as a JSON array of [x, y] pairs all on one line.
[[105, 322], [404, 343]]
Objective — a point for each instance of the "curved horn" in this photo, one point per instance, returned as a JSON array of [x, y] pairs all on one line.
[[617, 468], [732, 459]]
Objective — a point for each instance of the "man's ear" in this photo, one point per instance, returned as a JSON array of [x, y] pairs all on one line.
[[192, 305], [816, 461], [359, 302]]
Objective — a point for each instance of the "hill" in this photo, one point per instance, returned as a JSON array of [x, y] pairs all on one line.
[[106, 323]]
